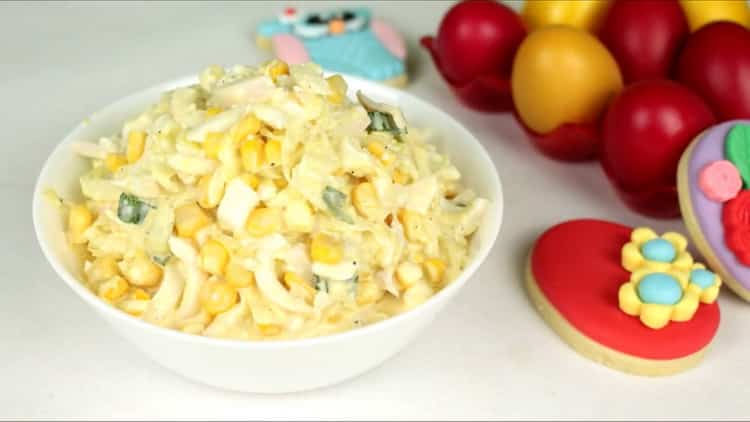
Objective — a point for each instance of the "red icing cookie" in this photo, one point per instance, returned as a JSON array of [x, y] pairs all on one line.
[[574, 273]]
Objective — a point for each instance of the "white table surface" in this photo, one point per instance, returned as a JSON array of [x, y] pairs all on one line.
[[488, 355]]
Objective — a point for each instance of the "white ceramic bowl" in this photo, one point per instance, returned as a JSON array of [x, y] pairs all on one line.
[[280, 366]]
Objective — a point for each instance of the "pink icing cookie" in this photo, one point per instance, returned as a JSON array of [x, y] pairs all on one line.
[[390, 38], [289, 49], [720, 180]]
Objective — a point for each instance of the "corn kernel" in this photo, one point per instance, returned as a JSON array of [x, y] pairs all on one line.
[[412, 223], [298, 216], [277, 69], [251, 180], [400, 177], [213, 111], [142, 271], [435, 270], [249, 125], [273, 153], [451, 190], [291, 278], [296, 284], [239, 276], [369, 292], [80, 218], [203, 189], [326, 250], [365, 200], [263, 221], [217, 297], [376, 148], [113, 288], [103, 268], [334, 314], [212, 144], [339, 88], [113, 162], [190, 218], [337, 83], [408, 273], [269, 329], [211, 188], [387, 158], [131, 307], [252, 154], [336, 98], [136, 145], [214, 257], [141, 294], [281, 183]]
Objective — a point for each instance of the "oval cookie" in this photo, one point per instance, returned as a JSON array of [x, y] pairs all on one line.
[[575, 277]]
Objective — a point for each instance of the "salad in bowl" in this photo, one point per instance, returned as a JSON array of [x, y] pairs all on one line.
[[263, 203]]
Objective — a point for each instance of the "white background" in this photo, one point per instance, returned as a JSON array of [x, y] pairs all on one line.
[[488, 355]]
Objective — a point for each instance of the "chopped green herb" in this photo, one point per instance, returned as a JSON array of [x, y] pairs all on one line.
[[383, 122], [131, 209], [353, 284], [161, 260], [335, 201], [320, 283]]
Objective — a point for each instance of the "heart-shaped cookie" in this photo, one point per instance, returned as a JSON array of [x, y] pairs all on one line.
[[713, 180], [626, 298]]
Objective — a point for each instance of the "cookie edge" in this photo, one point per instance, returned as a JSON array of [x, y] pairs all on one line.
[[597, 352]]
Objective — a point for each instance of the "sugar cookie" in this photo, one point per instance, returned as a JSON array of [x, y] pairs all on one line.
[[716, 213], [626, 298]]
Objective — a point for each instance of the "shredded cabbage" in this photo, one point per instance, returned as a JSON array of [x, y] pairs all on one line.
[[271, 206]]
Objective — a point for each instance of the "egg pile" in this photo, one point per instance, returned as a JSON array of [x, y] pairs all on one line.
[[630, 83]]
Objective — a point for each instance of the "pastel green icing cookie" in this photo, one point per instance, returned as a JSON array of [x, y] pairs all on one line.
[[737, 150]]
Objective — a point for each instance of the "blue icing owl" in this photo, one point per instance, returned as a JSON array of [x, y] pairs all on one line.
[[346, 41]]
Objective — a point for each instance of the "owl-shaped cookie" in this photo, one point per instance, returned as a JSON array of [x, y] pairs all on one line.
[[345, 41]]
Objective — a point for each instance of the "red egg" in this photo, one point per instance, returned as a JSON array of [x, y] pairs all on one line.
[[645, 131], [567, 142], [474, 51], [715, 62], [644, 37], [478, 37]]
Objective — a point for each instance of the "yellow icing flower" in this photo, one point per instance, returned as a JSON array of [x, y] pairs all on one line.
[[704, 283], [657, 297], [658, 253]]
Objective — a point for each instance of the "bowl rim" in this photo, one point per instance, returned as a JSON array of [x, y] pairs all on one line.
[[113, 313]]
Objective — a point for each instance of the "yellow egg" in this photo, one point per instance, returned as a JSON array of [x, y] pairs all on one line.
[[582, 14], [562, 75], [703, 12]]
